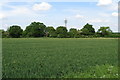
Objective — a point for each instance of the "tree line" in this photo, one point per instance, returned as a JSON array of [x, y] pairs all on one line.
[[38, 29]]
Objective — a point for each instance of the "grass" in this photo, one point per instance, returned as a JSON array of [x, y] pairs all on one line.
[[98, 71], [0, 57], [60, 58]]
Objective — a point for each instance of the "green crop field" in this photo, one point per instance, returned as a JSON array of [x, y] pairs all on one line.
[[60, 58]]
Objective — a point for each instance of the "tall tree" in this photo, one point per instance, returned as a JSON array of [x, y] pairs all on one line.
[[15, 31], [4, 34], [104, 31], [61, 32], [35, 29], [1, 31], [88, 30], [50, 32], [73, 32]]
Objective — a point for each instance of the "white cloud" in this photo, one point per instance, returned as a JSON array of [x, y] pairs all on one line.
[[104, 14], [42, 6], [104, 2], [2, 16], [79, 16], [97, 21], [17, 11], [5, 26], [108, 4], [21, 10], [114, 6], [114, 14]]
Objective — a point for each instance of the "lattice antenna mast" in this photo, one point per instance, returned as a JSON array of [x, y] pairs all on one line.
[[65, 22]]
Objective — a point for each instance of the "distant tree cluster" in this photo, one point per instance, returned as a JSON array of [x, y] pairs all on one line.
[[37, 29]]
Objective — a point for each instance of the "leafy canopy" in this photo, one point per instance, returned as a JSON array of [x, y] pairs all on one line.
[[35, 29], [61, 31], [88, 30], [15, 31], [104, 31]]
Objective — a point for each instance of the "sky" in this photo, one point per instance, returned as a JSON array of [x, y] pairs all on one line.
[[99, 13]]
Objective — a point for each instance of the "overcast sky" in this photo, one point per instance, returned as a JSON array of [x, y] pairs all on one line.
[[99, 13]]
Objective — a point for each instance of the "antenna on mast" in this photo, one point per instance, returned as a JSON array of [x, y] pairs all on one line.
[[65, 22]]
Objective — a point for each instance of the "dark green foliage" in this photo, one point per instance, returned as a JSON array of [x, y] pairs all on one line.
[[24, 34], [1, 33], [15, 31], [50, 32], [61, 32], [114, 35], [5, 34], [73, 33], [104, 31], [88, 30], [35, 29]]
